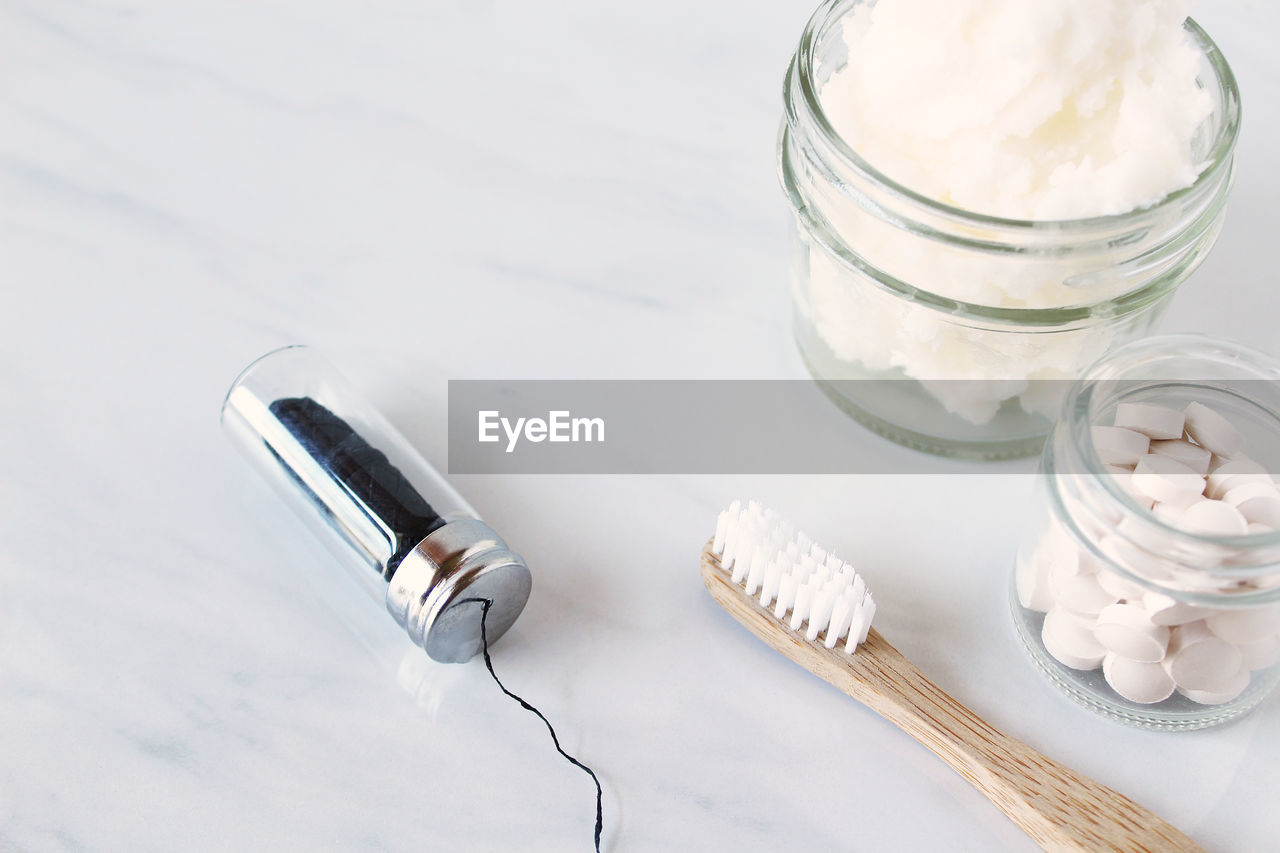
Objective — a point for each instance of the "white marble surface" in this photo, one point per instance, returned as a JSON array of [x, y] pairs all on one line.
[[474, 189]]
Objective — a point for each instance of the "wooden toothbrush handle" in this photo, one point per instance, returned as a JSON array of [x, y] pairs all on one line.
[[1058, 807]]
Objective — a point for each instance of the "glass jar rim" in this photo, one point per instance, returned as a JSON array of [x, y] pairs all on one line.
[[1219, 155], [1055, 318], [1080, 406]]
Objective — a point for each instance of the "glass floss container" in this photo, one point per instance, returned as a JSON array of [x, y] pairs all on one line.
[[391, 519], [1128, 607], [877, 267]]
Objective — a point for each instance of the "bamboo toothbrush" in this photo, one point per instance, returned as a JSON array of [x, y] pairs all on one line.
[[760, 569]]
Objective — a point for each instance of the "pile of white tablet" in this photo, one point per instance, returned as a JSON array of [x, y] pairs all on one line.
[[1187, 469]]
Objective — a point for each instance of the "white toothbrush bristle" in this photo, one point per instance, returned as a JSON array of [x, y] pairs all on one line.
[[768, 556], [800, 610], [769, 589], [786, 595], [855, 629], [722, 526], [869, 609], [755, 575], [840, 615]]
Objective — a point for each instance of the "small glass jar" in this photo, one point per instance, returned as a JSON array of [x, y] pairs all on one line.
[[397, 526], [1120, 606], [878, 271]]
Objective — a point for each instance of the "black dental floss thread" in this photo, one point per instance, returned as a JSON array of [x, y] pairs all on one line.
[[485, 604]]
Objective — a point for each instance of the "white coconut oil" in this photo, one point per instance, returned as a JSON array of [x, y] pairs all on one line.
[[991, 195]]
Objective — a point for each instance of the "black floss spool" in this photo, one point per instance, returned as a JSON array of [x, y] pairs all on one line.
[[390, 518]]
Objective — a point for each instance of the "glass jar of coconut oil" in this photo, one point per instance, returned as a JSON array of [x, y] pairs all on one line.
[[937, 326]]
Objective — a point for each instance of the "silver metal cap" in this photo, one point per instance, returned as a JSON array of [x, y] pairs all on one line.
[[437, 590]]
